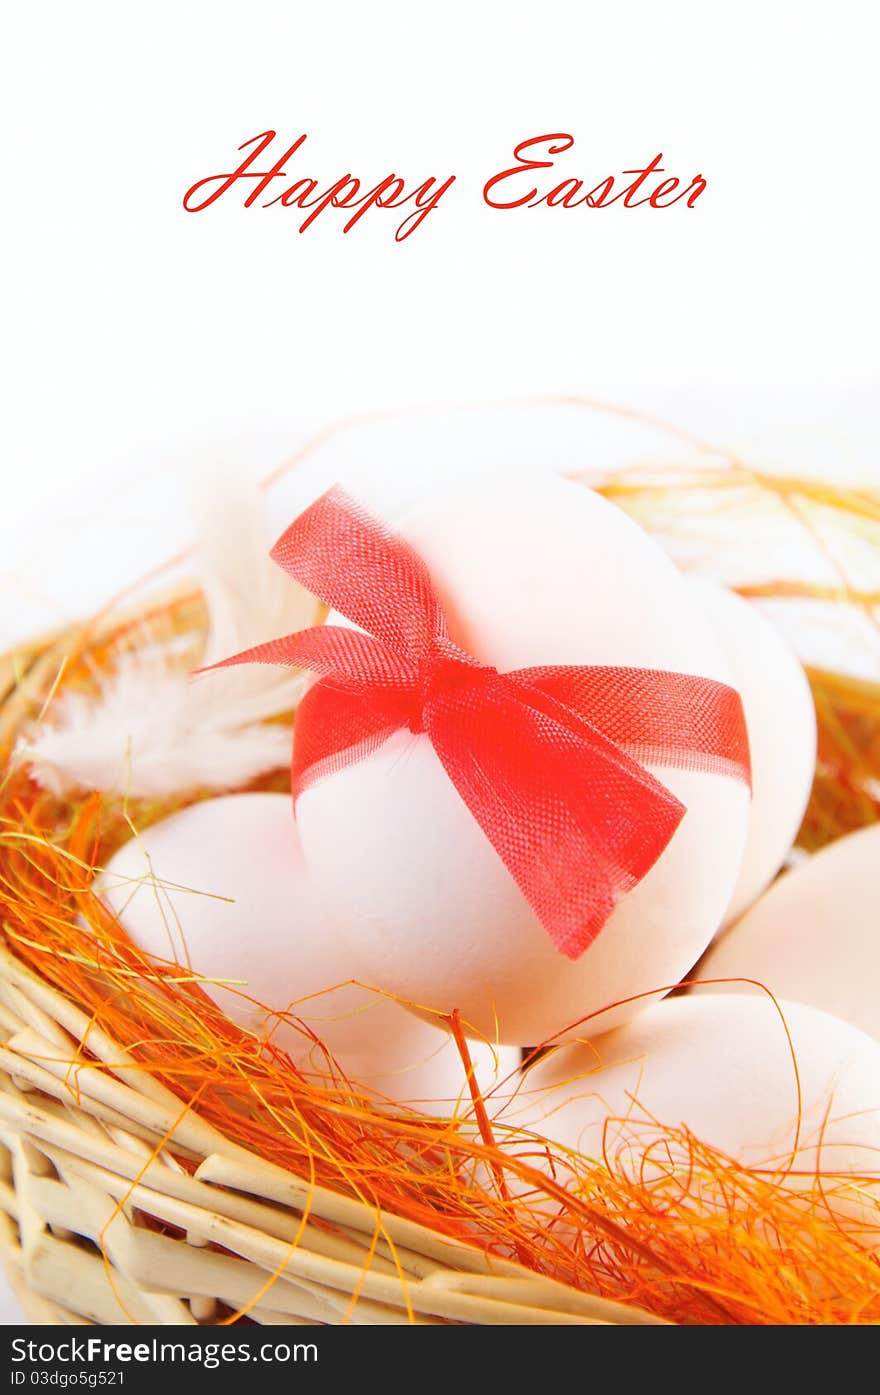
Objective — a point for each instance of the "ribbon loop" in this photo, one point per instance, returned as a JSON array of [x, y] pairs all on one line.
[[549, 761], [353, 564]]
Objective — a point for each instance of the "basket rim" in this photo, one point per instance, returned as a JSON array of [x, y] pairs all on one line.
[[142, 1130]]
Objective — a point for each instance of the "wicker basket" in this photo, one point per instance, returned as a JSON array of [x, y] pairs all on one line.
[[121, 1205]]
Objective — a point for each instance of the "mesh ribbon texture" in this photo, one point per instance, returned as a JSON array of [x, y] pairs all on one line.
[[549, 761]]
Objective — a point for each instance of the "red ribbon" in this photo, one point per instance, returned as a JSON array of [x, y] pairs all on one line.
[[550, 761]]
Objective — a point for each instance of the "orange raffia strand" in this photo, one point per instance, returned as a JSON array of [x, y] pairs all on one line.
[[750, 1257]]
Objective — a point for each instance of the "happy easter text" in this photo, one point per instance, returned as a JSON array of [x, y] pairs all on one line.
[[537, 178]]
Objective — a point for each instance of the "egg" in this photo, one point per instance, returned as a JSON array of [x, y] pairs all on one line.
[[393, 460], [814, 936], [539, 572], [221, 887], [722, 1067], [781, 722]]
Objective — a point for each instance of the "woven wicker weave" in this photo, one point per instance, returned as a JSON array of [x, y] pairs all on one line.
[[91, 1159]]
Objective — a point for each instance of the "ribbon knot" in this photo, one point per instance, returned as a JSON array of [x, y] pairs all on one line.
[[444, 669], [549, 761]]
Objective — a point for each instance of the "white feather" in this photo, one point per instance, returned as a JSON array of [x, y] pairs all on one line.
[[154, 731]]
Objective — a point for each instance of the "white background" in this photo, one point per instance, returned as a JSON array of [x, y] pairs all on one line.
[[142, 339]]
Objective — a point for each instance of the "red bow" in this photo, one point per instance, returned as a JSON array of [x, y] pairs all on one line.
[[548, 760]]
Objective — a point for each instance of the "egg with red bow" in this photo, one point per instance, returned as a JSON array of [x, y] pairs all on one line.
[[532, 849]]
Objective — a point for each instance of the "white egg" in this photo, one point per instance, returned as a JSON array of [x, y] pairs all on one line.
[[781, 722], [394, 460], [221, 887], [814, 936], [544, 573], [723, 1067]]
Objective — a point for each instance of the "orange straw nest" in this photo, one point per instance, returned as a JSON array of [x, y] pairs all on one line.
[[759, 1252]]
